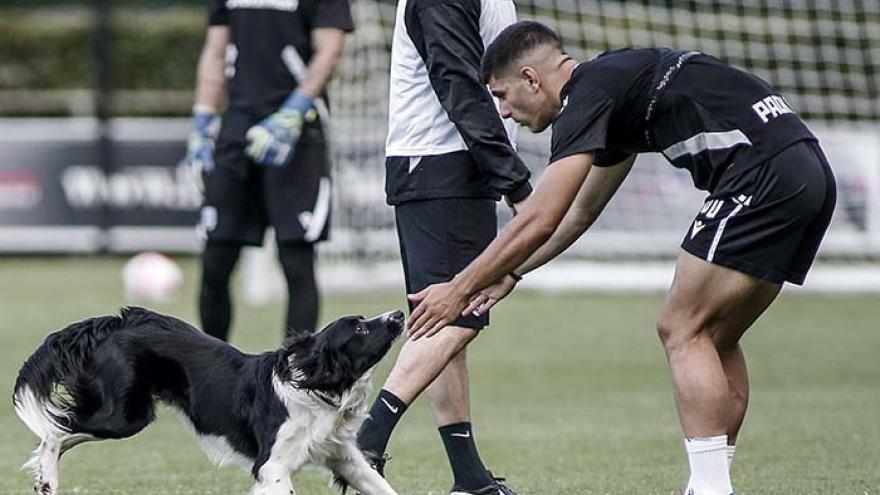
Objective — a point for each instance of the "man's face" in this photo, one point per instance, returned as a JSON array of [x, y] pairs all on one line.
[[523, 99]]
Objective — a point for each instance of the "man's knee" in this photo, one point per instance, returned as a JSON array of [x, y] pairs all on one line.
[[677, 329], [444, 347]]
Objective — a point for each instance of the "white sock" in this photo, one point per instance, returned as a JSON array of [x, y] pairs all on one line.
[[731, 450], [707, 457]]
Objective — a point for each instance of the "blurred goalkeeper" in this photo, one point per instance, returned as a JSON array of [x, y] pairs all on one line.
[[771, 197], [269, 166]]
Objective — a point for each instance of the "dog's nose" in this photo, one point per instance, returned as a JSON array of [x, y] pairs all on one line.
[[396, 316]]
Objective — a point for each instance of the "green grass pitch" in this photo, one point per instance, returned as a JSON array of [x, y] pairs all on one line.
[[570, 395]]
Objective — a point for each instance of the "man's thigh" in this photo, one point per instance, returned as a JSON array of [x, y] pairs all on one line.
[[709, 297], [440, 237]]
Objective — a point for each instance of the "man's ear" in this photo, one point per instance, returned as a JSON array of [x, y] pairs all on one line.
[[532, 78]]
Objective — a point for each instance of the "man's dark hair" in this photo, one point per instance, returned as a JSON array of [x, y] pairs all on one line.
[[514, 41]]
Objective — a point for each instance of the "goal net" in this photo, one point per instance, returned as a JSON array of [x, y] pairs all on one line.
[[823, 55]]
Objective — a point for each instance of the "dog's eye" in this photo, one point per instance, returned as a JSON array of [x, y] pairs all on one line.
[[361, 329]]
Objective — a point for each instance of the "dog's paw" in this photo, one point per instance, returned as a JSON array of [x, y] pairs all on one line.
[[43, 488]]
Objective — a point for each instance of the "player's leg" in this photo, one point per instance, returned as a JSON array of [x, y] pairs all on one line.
[[705, 303], [761, 227], [734, 363], [298, 206], [215, 304], [230, 218], [298, 261], [449, 399], [438, 238], [419, 363]]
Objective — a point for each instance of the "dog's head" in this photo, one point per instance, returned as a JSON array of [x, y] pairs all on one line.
[[334, 359]]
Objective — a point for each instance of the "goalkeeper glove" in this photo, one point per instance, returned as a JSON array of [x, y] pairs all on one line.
[[200, 145], [273, 140]]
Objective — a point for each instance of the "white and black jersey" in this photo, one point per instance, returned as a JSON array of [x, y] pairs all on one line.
[[446, 137], [702, 114], [271, 45]]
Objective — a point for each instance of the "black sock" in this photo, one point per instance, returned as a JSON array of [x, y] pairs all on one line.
[[376, 430], [467, 468]]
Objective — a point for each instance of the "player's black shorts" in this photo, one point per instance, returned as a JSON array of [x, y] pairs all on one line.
[[243, 198], [769, 220], [440, 237]]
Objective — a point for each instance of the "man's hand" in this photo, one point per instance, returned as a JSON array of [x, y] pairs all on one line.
[[200, 146], [272, 141], [488, 297], [438, 306]]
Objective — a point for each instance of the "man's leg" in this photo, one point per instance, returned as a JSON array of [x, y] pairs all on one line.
[[708, 305], [734, 363], [215, 306], [449, 400], [417, 365], [298, 261], [438, 366]]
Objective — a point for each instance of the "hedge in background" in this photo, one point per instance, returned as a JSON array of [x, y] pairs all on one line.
[[50, 48]]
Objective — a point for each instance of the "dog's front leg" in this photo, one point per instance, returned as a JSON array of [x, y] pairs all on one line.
[[354, 469], [276, 483], [274, 475]]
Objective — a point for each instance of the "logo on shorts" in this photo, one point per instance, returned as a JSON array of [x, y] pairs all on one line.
[[711, 208], [744, 200], [305, 219], [209, 218], [698, 226]]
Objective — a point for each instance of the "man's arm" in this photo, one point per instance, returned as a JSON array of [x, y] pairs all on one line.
[[328, 44], [210, 93], [211, 72], [601, 184], [597, 190], [535, 223], [446, 34]]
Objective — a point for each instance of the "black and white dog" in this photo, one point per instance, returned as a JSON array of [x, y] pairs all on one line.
[[271, 413]]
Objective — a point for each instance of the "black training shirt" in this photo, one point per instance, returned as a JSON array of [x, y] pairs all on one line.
[[269, 39], [701, 113]]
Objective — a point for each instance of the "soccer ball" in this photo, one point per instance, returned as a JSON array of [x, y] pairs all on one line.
[[152, 277]]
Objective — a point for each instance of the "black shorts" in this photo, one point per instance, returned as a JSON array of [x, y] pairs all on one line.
[[769, 220], [242, 198], [440, 237]]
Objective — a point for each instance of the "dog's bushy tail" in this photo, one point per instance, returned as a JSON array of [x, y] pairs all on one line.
[[45, 391]]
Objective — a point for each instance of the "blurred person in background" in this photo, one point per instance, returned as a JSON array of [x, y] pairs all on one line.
[[267, 164]]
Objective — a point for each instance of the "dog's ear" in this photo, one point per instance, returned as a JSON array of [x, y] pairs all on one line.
[[294, 351], [323, 368]]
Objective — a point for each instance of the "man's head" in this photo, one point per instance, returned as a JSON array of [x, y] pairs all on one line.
[[526, 67]]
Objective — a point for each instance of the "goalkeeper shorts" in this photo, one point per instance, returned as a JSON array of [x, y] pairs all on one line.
[[769, 220], [242, 199]]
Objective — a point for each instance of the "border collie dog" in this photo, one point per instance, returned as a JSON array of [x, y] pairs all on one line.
[[271, 413]]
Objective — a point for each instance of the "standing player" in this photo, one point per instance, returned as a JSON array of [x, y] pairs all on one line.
[[771, 196], [449, 159], [270, 166]]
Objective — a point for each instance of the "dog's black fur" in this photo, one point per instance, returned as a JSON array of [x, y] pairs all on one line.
[[100, 377]]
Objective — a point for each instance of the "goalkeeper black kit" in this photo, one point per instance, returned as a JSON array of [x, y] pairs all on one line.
[[771, 190], [449, 156], [268, 55]]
